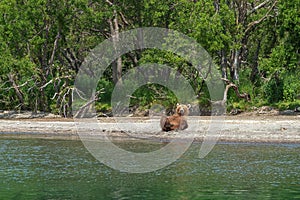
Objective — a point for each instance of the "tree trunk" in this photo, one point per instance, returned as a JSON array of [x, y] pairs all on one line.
[[42, 101], [236, 65], [255, 70], [117, 64], [70, 97], [16, 88], [224, 63]]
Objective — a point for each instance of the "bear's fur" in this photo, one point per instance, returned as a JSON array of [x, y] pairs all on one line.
[[177, 121]]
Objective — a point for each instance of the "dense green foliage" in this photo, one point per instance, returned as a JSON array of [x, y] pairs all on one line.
[[43, 43]]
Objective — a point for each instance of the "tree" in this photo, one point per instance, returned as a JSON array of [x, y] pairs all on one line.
[[43, 44]]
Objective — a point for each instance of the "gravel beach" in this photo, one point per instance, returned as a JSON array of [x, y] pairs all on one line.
[[279, 129]]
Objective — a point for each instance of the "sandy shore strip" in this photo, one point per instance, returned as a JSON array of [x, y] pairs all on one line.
[[232, 129]]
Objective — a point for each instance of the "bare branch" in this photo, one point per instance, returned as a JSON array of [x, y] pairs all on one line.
[[83, 109], [4, 84], [54, 95], [79, 93], [253, 24], [123, 18], [54, 48], [57, 78], [109, 2], [16, 88], [258, 7], [45, 85]]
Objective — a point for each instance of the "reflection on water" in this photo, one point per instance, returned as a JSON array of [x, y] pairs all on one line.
[[56, 169]]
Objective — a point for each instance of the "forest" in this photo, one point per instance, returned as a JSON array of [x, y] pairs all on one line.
[[254, 43]]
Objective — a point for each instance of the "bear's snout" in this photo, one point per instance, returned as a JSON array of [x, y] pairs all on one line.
[[181, 111]]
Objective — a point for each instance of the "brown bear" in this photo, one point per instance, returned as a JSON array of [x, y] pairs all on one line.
[[177, 121]]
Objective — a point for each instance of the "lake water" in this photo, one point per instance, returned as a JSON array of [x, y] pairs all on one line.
[[57, 169]]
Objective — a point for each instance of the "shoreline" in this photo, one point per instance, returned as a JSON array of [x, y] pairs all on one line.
[[249, 129]]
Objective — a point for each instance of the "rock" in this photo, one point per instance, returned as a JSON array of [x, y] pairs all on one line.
[[287, 112], [235, 111]]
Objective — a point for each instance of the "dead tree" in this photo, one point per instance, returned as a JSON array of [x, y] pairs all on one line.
[[88, 109]]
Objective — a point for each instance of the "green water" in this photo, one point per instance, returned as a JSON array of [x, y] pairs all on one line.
[[56, 169]]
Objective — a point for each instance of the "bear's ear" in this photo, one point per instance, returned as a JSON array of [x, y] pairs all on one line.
[[177, 104], [189, 106]]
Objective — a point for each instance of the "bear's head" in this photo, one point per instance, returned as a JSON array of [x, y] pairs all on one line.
[[182, 110]]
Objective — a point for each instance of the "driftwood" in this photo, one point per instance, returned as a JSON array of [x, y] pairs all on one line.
[[229, 84], [220, 106]]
